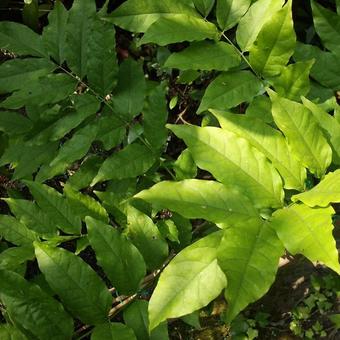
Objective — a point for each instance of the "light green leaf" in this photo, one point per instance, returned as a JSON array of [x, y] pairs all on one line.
[[120, 259], [82, 292], [185, 166], [205, 55], [136, 316], [33, 309], [54, 34], [77, 35], [293, 82], [155, 115], [329, 125], [312, 231], [274, 44], [326, 67], [252, 22], [229, 90], [85, 205], [145, 235], [13, 123], [249, 257], [194, 198], [15, 232], [178, 28], [233, 161], [102, 68], [326, 192], [20, 39], [204, 6], [132, 161], [33, 217], [260, 108], [327, 26], [303, 134], [138, 16], [270, 142], [55, 205], [112, 331], [8, 332], [229, 12], [128, 98], [191, 280], [19, 73]]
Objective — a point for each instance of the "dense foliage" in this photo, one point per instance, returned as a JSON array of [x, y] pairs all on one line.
[[96, 207]]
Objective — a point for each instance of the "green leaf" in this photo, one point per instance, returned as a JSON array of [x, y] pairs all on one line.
[[185, 166], [229, 90], [190, 281], [155, 115], [138, 16], [19, 73], [128, 98], [32, 216], [12, 258], [303, 133], [46, 90], [54, 34], [249, 257], [120, 259], [223, 154], [205, 55], [270, 142], [312, 231], [85, 205], [194, 198], [229, 12], [8, 332], [15, 232], [33, 309], [82, 292], [112, 331], [56, 206], [78, 32], [326, 192], [178, 28], [274, 44], [13, 123], [145, 235], [102, 68], [132, 161], [252, 22], [293, 81], [136, 316], [85, 106], [326, 67], [327, 26], [20, 39], [204, 6]]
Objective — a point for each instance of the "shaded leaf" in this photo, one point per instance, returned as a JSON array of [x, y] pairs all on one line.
[[112, 331]]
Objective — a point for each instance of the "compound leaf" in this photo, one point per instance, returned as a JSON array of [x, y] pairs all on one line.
[[112, 331]]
